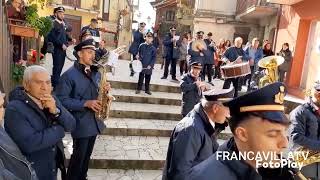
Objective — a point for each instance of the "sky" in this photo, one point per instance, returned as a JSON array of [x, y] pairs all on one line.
[[146, 10]]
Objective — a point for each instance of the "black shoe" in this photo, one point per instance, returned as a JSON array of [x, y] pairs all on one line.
[[163, 77], [211, 83], [132, 74], [148, 92], [175, 79], [137, 91]]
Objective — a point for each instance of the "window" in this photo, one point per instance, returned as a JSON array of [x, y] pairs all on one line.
[[106, 7], [170, 16], [76, 3]]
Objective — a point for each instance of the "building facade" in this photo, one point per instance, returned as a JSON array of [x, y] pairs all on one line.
[[217, 17], [116, 16], [165, 15], [300, 27], [261, 17], [225, 19]]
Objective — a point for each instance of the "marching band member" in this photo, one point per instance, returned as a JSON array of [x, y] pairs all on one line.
[[37, 121], [234, 54], [305, 128], [58, 36], [101, 51], [93, 29], [138, 38], [78, 92], [191, 88], [194, 138], [147, 55], [209, 59], [198, 52], [258, 124], [169, 44]]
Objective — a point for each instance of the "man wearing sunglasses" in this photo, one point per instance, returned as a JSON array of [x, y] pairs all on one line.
[[305, 129]]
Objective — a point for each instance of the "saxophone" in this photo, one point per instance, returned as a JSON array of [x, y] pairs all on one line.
[[104, 97], [313, 156]]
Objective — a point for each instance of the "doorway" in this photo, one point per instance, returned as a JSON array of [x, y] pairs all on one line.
[[75, 23], [311, 65]]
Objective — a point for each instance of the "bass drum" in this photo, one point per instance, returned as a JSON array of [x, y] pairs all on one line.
[[235, 70]]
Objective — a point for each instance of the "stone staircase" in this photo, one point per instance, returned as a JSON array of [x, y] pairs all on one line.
[[134, 145]]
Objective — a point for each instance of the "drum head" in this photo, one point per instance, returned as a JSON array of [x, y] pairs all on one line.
[[137, 66], [69, 53]]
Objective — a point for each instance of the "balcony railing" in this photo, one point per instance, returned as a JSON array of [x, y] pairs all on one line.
[[244, 5]]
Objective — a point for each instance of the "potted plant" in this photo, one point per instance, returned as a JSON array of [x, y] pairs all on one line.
[[33, 26], [17, 72]]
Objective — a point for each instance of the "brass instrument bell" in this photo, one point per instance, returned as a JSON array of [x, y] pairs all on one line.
[[198, 45], [270, 64]]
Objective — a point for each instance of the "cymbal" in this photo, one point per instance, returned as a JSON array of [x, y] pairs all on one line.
[[271, 61]]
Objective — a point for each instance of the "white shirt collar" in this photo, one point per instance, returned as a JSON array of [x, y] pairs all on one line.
[[210, 120]]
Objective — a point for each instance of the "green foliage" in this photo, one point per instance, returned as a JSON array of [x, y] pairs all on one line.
[[46, 26], [43, 24], [17, 73]]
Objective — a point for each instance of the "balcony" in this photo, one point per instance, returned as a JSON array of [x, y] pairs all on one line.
[[91, 6], [285, 2], [255, 9]]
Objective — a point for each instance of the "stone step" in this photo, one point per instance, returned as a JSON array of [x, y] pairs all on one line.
[[120, 174], [145, 111], [127, 95], [126, 152], [138, 127], [153, 87], [146, 127], [170, 95]]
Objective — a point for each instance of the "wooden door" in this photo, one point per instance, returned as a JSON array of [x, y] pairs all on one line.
[[75, 23]]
